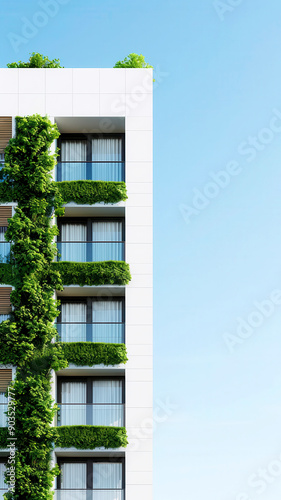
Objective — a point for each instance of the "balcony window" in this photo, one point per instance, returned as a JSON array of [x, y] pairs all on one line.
[[3, 485], [91, 240], [91, 157], [91, 479], [92, 319], [5, 246], [91, 401]]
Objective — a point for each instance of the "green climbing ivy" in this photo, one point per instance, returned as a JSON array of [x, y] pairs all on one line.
[[29, 332]]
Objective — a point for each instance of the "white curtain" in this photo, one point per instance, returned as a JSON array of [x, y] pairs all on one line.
[[107, 396], [73, 251], [3, 409], [73, 313], [107, 475], [73, 476], [107, 311], [107, 231], [107, 150], [107, 391], [73, 414], [73, 151]]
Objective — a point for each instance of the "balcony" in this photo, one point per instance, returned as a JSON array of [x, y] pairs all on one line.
[[112, 171], [91, 251], [89, 494], [112, 415], [5, 490], [5, 249], [109, 333]]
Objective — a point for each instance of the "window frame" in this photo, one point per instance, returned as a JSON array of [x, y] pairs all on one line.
[[88, 301], [89, 389], [89, 462], [88, 138], [87, 221]]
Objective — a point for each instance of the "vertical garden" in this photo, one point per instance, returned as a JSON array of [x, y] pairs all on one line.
[[27, 338]]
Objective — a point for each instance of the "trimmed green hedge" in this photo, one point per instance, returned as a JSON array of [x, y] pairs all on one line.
[[89, 353], [89, 437], [94, 273], [82, 437], [82, 273], [90, 192]]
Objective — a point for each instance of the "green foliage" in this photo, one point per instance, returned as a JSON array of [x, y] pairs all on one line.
[[26, 338], [80, 273], [36, 61], [93, 273], [6, 277], [3, 437], [82, 437], [80, 192], [89, 353], [89, 437], [90, 192], [133, 61]]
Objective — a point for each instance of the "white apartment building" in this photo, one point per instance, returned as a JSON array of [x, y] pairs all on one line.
[[104, 117]]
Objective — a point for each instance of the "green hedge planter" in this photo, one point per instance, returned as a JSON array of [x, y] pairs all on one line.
[[90, 192], [94, 273], [89, 353], [89, 437], [82, 273]]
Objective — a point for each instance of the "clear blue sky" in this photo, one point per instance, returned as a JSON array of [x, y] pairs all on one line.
[[221, 83]]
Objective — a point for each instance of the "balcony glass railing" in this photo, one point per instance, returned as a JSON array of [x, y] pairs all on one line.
[[91, 414], [3, 416], [92, 251], [89, 494], [93, 171], [112, 333], [5, 248]]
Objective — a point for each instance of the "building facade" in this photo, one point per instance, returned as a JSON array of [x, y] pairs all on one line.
[[104, 117]]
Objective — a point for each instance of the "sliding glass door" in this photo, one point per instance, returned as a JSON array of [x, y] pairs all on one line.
[[91, 479], [92, 319], [91, 401], [91, 157], [91, 240]]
